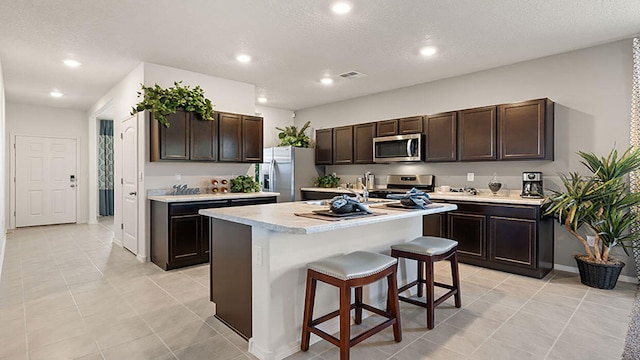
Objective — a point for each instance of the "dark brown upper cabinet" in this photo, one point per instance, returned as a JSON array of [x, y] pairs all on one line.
[[441, 137], [240, 138], [252, 138], [363, 135], [230, 129], [343, 145], [203, 139], [324, 147], [477, 134], [410, 125], [387, 128], [525, 130], [188, 137]]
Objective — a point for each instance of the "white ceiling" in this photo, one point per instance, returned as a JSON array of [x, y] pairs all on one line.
[[293, 43]]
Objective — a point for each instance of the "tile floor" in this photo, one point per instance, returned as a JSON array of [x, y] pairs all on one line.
[[67, 293]]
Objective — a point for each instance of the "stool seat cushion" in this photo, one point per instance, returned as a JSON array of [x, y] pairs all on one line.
[[357, 264], [426, 245]]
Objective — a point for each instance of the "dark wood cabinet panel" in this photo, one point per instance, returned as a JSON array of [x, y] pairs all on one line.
[[170, 143], [525, 130], [434, 225], [363, 135], [387, 127], [512, 241], [477, 134], [410, 125], [441, 137], [324, 147], [180, 235], [185, 233], [252, 139], [203, 138], [230, 137], [469, 230], [343, 145]]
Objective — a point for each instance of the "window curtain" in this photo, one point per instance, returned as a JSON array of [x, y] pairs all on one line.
[[105, 167], [635, 138]]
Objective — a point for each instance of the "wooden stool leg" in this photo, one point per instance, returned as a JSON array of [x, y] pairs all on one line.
[[393, 305], [358, 318], [345, 321], [421, 278], [308, 312], [455, 275], [430, 295]]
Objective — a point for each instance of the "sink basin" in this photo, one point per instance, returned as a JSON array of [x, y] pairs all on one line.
[[368, 202], [317, 202]]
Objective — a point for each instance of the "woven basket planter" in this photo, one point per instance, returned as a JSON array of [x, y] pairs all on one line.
[[601, 276]]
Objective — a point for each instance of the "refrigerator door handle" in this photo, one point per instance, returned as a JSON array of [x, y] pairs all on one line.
[[272, 174]]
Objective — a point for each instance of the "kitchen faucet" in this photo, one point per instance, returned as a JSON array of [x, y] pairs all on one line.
[[361, 198]]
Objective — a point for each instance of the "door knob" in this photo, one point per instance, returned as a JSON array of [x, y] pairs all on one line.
[[133, 193], [72, 185]]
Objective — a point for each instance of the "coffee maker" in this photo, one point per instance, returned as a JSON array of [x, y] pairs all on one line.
[[532, 185]]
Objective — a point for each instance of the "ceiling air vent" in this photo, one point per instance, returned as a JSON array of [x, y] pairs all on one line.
[[352, 75]]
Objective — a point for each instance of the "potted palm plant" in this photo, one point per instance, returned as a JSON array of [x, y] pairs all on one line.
[[601, 204], [291, 136]]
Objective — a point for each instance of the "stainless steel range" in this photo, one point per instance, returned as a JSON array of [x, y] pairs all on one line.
[[400, 184]]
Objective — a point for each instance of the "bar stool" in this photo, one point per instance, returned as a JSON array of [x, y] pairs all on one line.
[[353, 270], [427, 250]]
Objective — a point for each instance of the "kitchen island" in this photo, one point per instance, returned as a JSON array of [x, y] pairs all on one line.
[[259, 257]]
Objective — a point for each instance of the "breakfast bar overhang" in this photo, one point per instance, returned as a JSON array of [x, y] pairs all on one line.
[[259, 257]]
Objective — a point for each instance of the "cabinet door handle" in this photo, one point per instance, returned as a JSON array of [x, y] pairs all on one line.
[[133, 193]]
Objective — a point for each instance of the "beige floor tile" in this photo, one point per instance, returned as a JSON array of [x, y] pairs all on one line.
[[52, 333], [500, 298], [181, 337], [589, 339], [563, 350], [148, 347], [170, 317], [20, 355], [495, 350], [424, 349], [489, 310], [67, 349], [524, 339], [469, 322], [537, 324], [203, 307], [111, 333], [610, 324], [216, 347], [13, 343], [550, 311], [454, 338]]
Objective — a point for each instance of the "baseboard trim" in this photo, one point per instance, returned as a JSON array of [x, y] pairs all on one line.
[[3, 240], [117, 242], [573, 269], [142, 259]]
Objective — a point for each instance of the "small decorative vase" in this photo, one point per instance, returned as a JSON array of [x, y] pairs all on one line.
[[495, 184]]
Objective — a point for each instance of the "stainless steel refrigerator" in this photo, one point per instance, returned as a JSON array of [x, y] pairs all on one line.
[[286, 169]]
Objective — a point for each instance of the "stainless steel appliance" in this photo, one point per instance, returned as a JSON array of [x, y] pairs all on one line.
[[532, 185], [286, 169], [397, 148], [400, 184]]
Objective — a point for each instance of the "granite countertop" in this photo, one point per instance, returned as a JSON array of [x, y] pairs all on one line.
[[280, 217], [206, 197], [483, 196]]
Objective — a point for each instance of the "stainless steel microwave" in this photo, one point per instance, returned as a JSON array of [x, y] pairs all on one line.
[[397, 148]]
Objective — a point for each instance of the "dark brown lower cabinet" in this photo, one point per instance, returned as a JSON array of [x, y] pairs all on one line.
[[512, 238], [180, 235]]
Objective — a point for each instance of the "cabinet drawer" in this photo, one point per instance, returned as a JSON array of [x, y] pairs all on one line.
[[515, 211], [253, 201], [194, 207]]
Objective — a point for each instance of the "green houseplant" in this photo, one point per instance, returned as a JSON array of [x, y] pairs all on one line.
[[326, 181], [244, 183], [601, 203], [163, 102], [291, 136]]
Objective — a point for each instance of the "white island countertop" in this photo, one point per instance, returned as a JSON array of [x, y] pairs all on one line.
[[483, 196], [280, 217], [207, 197]]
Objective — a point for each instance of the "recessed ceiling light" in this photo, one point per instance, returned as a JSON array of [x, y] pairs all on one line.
[[341, 7], [262, 99], [326, 80], [72, 63], [243, 58], [428, 51], [56, 94]]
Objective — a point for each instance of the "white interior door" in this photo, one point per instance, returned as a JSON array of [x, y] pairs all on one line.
[[45, 180], [130, 184]]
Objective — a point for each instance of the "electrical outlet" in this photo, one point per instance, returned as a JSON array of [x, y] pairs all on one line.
[[257, 255], [590, 240], [471, 176]]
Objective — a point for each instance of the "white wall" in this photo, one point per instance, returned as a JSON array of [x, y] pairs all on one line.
[[274, 117], [3, 161], [592, 91], [22, 119]]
